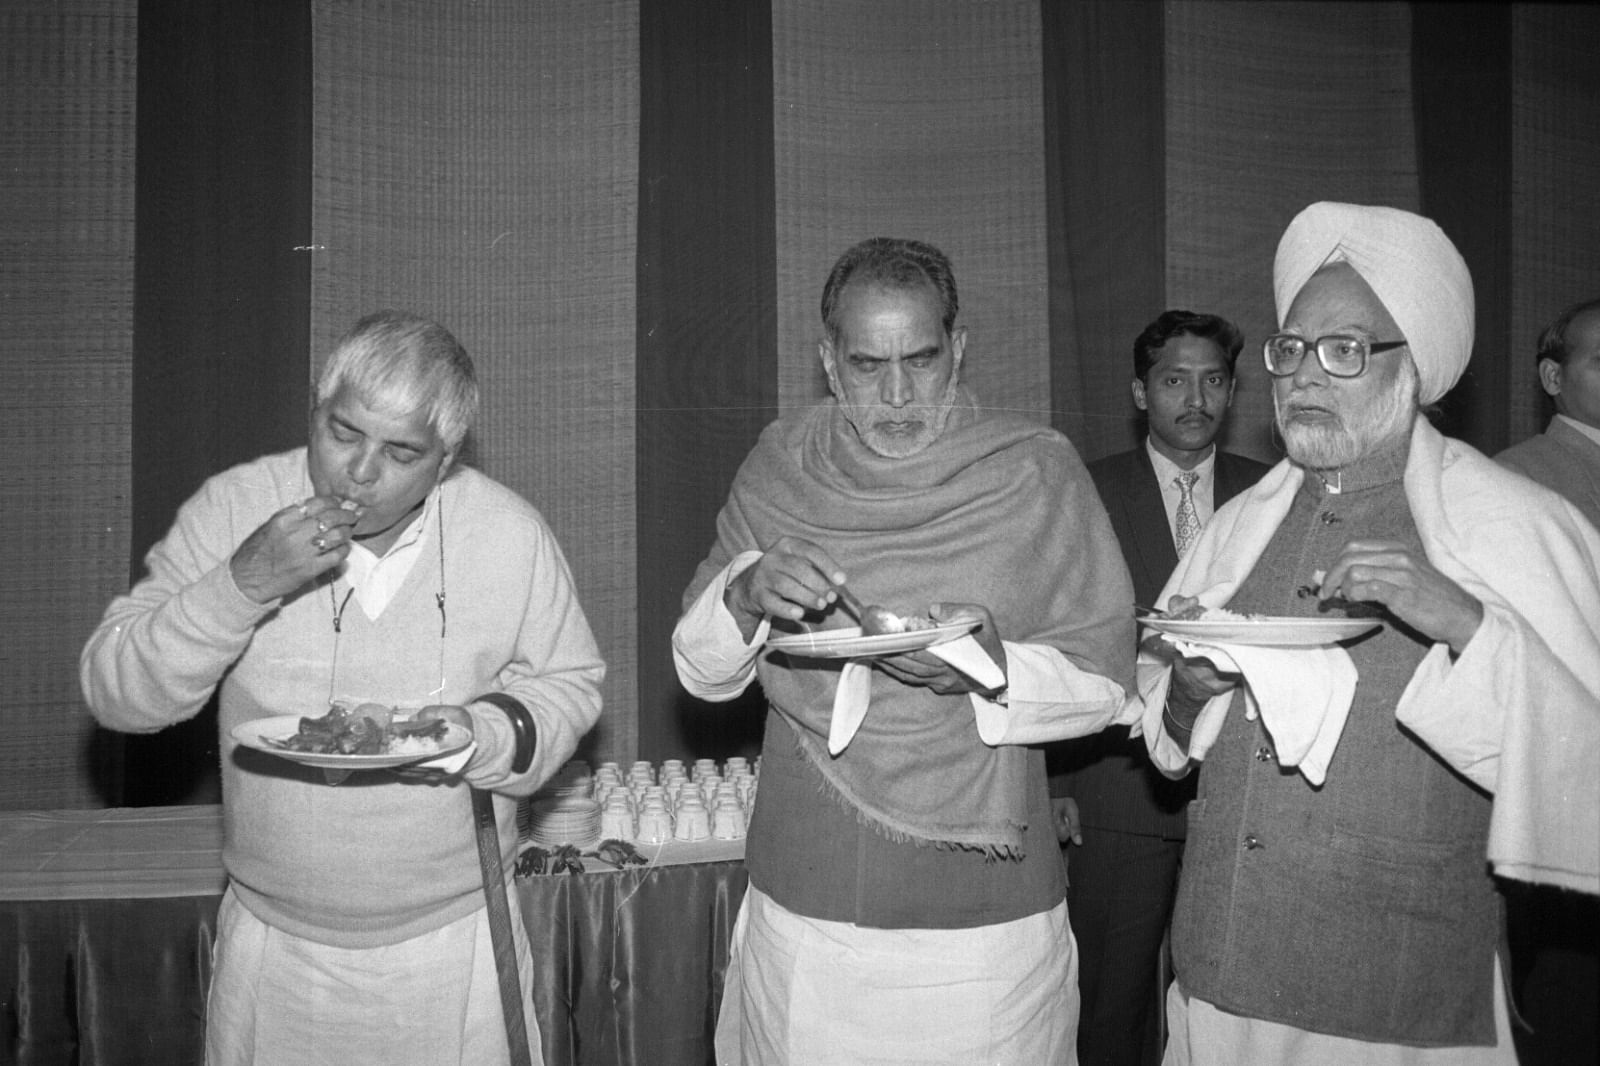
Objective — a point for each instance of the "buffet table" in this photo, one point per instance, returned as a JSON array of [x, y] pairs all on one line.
[[107, 919]]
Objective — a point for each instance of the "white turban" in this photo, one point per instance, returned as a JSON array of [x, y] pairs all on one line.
[[1411, 265]]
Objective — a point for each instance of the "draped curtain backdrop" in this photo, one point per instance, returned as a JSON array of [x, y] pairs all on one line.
[[626, 211]]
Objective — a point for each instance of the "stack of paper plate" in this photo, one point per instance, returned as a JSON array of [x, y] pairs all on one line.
[[558, 820], [563, 811]]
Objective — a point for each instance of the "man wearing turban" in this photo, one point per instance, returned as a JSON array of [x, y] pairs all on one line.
[[1337, 901]]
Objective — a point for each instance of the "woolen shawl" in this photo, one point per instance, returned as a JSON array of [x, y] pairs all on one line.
[[999, 512]]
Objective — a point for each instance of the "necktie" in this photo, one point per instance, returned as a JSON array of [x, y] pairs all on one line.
[[1188, 518]]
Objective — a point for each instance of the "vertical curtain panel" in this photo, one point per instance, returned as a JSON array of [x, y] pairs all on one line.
[[706, 301], [1555, 181], [1106, 208], [222, 207], [67, 70]]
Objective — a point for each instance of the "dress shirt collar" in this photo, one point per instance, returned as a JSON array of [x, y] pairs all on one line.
[[1592, 432], [375, 578], [1166, 469]]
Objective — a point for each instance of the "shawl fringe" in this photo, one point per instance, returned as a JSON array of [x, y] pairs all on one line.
[[991, 852]]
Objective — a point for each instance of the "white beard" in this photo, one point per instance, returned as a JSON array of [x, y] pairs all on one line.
[[892, 446], [1332, 446]]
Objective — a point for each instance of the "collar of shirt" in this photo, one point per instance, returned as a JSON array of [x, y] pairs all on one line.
[[1592, 432], [1204, 488], [376, 579]]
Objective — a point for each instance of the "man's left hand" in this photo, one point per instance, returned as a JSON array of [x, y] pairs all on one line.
[[449, 713], [1402, 579], [925, 670]]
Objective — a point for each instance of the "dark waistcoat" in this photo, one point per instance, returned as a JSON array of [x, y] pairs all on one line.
[[1363, 908], [808, 851]]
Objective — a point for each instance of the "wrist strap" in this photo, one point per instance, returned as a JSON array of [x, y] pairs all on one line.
[[522, 726]]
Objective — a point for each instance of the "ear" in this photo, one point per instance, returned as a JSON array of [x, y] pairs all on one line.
[[958, 344], [829, 366], [1139, 400], [1232, 384], [1550, 376]]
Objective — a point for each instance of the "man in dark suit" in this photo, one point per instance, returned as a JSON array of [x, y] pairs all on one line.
[[1126, 819]]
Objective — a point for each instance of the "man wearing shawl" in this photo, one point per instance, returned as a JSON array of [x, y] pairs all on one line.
[[907, 897], [1336, 901]]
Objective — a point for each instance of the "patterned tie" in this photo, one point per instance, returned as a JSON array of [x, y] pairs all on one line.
[[1188, 517]]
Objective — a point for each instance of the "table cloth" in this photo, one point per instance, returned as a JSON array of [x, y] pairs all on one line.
[[107, 919]]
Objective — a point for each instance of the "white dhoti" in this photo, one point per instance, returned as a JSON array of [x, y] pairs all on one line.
[[434, 1000], [1201, 1035], [801, 991]]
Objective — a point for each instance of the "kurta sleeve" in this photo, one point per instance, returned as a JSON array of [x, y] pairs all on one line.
[[1048, 697], [713, 660]]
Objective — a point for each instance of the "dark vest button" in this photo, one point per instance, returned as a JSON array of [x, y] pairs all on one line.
[[1329, 518], [1263, 754], [1252, 842]]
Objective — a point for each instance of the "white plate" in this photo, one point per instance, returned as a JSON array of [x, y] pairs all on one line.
[[848, 643], [1264, 632], [259, 732]]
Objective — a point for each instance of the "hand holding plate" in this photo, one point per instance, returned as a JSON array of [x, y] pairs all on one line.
[[926, 670]]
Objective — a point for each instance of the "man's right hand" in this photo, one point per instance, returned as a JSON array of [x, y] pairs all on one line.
[[1195, 679], [791, 577], [293, 547], [1068, 823]]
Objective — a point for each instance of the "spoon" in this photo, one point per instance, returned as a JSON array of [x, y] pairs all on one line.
[[874, 620]]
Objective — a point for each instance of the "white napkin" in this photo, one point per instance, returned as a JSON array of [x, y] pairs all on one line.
[[967, 655], [452, 763], [1302, 694], [854, 691], [850, 701]]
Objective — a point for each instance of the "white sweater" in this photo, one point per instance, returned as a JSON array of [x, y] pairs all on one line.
[[378, 858]]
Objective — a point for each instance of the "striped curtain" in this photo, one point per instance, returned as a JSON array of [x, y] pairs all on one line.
[[626, 210]]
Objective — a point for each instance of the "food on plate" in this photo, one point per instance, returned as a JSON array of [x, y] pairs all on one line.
[[367, 729], [878, 620], [1197, 613]]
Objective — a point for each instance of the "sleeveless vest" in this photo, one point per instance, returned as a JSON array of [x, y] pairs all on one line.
[[1363, 908]]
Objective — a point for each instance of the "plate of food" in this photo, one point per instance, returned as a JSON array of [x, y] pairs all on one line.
[[365, 737], [1218, 626], [850, 643]]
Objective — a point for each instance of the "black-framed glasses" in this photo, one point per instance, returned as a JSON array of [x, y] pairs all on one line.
[[1340, 354]]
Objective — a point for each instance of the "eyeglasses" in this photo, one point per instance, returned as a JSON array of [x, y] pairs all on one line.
[[1340, 354]]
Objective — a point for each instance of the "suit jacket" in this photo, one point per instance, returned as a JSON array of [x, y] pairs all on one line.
[[1563, 459], [1110, 775]]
